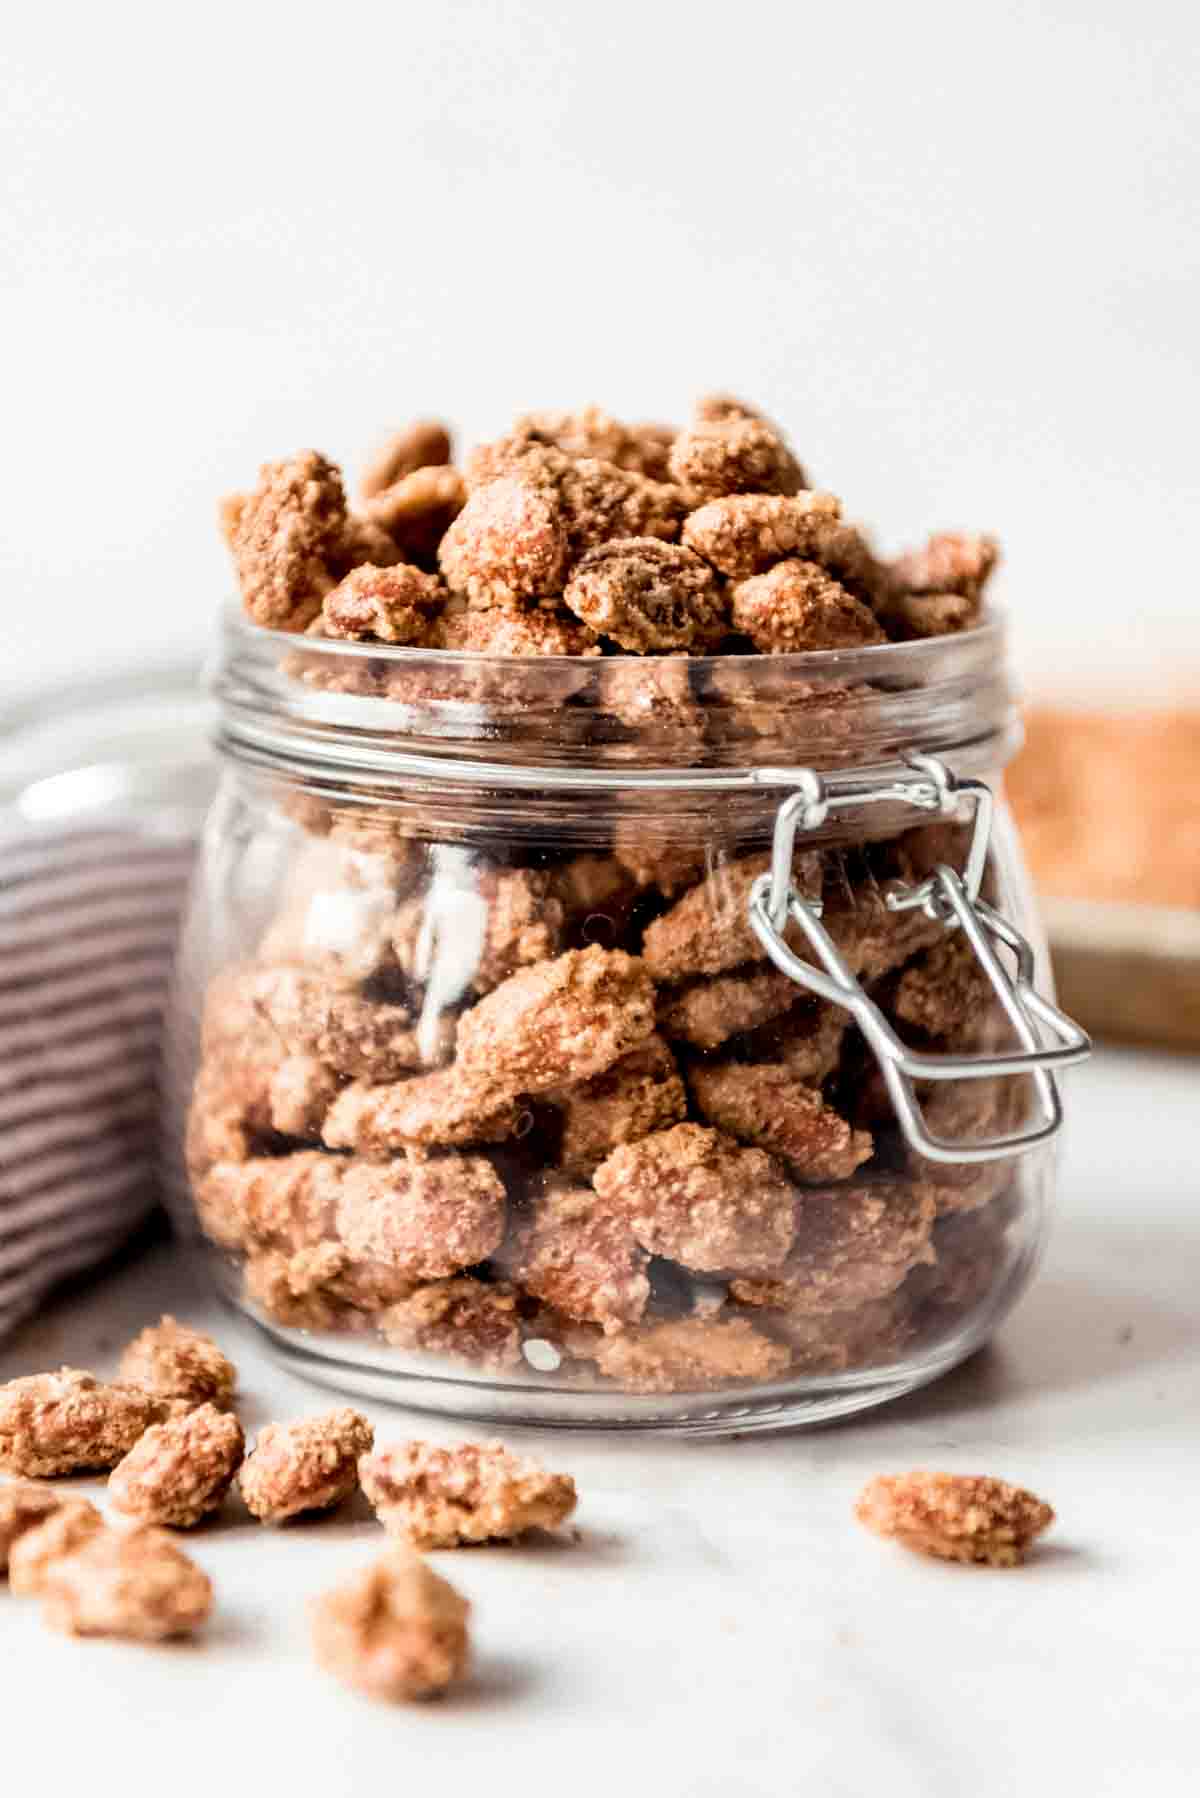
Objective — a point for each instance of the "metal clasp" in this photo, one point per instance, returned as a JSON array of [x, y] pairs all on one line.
[[951, 899]]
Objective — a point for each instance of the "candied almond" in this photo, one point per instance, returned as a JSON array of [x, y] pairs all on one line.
[[655, 698], [708, 1011], [315, 1015], [395, 1630], [134, 1583], [23, 1506], [437, 1497], [949, 562], [708, 931], [571, 1252], [173, 1362], [420, 1215], [460, 1317], [559, 1021], [180, 1470], [690, 1354], [795, 606], [397, 604], [311, 1465], [648, 596], [417, 510], [638, 1094], [745, 532], [425, 443], [36, 1550], [765, 1103], [302, 1091], [735, 454], [285, 538], [509, 543], [269, 1201], [853, 1243], [505, 631], [975, 1519], [66, 1422], [445, 1109], [698, 1197]]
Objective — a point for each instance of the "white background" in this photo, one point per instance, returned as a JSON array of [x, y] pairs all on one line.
[[954, 247]]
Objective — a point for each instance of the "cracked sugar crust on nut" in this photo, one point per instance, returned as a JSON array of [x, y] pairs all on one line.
[[175, 1362], [796, 606], [397, 604], [640, 1093], [973, 1519], [68, 1422], [559, 1021], [445, 1109], [710, 1010], [23, 1506], [435, 1497], [422, 1216], [572, 1252], [134, 1583], [425, 443], [394, 1630], [708, 931], [72, 1523], [735, 454], [744, 533], [853, 1243], [286, 538], [310, 1465], [180, 1470], [764, 1103], [648, 596], [689, 1354], [459, 1317], [700, 1198]]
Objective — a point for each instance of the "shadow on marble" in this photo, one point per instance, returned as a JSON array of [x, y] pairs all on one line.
[[493, 1680]]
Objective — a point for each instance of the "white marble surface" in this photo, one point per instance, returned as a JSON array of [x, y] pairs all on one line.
[[722, 1627]]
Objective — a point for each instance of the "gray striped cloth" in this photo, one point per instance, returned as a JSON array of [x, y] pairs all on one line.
[[88, 919]]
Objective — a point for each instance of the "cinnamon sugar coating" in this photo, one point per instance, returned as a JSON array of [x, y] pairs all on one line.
[[807, 1040], [173, 1362], [23, 1506], [504, 631], [134, 1583], [435, 1497], [395, 1630], [708, 931], [698, 1197], [650, 850], [968, 1111], [868, 1335], [764, 1103], [314, 1015], [446, 1109], [910, 616], [948, 562], [853, 1243], [735, 454], [303, 1288], [417, 510], [592, 432], [69, 1421], [311, 1465], [796, 606], [459, 1317], [398, 604], [282, 1202], [286, 537], [559, 1021], [648, 596], [425, 443], [576, 1256], [510, 543], [657, 700], [638, 1094], [745, 532], [973, 1519], [421, 1215], [67, 1527], [301, 1092], [180, 1470], [690, 1354], [947, 995], [708, 1011]]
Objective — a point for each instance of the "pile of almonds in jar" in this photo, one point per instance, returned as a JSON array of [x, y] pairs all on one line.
[[558, 1112]]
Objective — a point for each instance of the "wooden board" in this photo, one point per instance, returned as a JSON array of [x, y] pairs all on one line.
[[1128, 971]]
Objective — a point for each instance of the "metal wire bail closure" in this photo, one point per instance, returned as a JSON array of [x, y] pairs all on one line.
[[1049, 1038]]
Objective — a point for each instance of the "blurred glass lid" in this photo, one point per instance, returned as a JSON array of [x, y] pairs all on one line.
[[129, 743]]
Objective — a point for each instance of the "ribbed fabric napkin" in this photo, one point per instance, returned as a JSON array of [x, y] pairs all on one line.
[[88, 920]]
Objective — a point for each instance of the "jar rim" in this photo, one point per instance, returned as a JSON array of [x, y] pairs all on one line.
[[332, 711]]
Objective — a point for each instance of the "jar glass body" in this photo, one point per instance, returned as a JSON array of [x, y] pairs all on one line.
[[485, 1095]]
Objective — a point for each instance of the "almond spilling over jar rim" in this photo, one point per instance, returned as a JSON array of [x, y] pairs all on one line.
[[595, 1010]]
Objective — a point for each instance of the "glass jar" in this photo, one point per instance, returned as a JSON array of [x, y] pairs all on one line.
[[640, 1041]]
